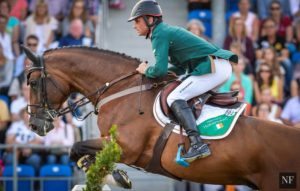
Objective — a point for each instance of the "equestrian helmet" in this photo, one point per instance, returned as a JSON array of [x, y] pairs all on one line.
[[145, 7]]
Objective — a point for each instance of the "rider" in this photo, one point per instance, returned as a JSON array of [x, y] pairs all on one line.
[[205, 66]]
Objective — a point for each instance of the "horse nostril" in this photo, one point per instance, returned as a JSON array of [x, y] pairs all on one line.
[[33, 127]]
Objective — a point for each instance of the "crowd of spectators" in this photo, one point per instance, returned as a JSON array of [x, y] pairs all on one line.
[[265, 34]]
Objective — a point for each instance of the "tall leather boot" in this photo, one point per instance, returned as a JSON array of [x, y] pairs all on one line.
[[185, 117]]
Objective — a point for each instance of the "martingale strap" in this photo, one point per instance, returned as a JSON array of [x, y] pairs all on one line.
[[125, 92], [154, 165]]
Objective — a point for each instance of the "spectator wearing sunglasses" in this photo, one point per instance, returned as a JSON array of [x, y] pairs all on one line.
[[266, 78], [32, 42], [282, 21], [263, 5]]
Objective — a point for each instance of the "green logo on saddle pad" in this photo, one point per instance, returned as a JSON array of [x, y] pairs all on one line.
[[216, 126], [218, 122]]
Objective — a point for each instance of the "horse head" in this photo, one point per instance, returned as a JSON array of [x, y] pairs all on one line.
[[42, 107]]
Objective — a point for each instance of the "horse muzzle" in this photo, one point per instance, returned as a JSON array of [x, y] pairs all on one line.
[[40, 126]]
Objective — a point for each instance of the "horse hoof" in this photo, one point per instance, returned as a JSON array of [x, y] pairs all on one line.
[[122, 178], [84, 162]]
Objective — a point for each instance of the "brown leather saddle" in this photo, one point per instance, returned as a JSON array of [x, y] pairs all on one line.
[[196, 103]]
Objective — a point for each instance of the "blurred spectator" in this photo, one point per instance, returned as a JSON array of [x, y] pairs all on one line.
[[5, 39], [4, 121], [75, 36], [271, 39], [295, 45], [294, 88], [19, 9], [21, 63], [266, 78], [237, 34], [78, 11], [41, 24], [61, 135], [266, 97], [197, 28], [283, 22], [236, 49], [12, 26], [291, 111], [294, 84], [240, 81], [199, 4], [6, 71], [20, 133], [56, 8], [31, 42], [250, 19], [18, 104], [93, 7], [269, 57], [264, 111], [263, 5], [294, 7]]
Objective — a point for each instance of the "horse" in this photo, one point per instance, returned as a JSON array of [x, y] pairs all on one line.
[[255, 153]]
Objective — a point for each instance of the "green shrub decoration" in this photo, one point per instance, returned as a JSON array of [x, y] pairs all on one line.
[[105, 162]]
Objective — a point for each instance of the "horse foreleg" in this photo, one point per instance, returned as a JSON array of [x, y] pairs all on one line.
[[87, 150], [88, 147]]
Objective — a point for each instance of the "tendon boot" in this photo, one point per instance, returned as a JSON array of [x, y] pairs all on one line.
[[117, 178], [186, 119]]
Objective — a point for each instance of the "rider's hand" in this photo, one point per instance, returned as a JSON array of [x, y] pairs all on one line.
[[142, 68]]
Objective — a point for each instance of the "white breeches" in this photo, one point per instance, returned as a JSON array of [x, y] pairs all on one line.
[[197, 85]]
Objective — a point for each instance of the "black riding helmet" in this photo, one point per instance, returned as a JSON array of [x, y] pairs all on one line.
[[145, 8]]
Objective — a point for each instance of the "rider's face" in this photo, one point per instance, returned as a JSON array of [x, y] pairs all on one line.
[[140, 26]]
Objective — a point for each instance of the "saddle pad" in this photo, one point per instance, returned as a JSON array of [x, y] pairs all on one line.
[[215, 122]]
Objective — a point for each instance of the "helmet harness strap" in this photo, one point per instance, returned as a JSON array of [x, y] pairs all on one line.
[[155, 22]]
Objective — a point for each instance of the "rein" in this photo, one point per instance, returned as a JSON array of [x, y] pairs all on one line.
[[52, 113], [100, 91]]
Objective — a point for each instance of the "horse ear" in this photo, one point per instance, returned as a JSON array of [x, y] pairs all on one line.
[[30, 54]]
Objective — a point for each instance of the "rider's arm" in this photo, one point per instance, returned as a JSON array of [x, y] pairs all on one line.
[[160, 47]]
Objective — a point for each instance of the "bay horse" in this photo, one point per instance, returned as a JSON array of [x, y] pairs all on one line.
[[254, 153]]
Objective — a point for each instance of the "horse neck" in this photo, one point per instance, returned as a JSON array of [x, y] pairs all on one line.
[[86, 71]]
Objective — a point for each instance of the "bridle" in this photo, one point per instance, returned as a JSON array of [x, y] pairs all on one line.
[[42, 88], [41, 120], [45, 112]]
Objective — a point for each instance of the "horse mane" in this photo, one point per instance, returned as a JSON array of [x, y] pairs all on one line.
[[94, 48]]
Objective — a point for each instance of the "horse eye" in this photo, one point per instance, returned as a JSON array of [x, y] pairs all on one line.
[[33, 84]]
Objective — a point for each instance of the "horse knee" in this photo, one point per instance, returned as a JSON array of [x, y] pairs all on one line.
[[76, 153], [88, 147]]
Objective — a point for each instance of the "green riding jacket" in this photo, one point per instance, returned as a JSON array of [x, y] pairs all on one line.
[[185, 51]]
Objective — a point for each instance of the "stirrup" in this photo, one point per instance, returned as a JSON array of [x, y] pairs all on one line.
[[203, 154], [178, 158]]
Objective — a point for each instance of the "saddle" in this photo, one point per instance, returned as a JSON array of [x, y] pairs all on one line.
[[196, 103]]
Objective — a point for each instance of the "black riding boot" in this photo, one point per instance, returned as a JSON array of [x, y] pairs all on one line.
[[185, 117]]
